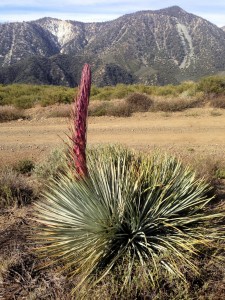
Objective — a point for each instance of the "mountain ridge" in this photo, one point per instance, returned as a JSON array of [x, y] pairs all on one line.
[[151, 47]]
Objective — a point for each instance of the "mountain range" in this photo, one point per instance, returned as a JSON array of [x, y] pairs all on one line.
[[160, 47]]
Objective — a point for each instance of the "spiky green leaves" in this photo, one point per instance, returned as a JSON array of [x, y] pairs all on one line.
[[132, 208]]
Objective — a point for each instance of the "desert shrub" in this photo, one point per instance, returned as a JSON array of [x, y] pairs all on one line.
[[24, 166], [94, 90], [177, 104], [107, 93], [9, 113], [167, 90], [24, 101], [103, 93], [216, 113], [220, 173], [51, 167], [212, 85], [59, 111], [120, 91], [99, 109], [56, 97], [27, 96], [143, 89], [138, 102], [119, 110], [186, 86], [218, 102], [192, 93], [145, 214], [14, 189]]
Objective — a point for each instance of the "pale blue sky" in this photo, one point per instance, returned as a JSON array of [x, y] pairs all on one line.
[[103, 10]]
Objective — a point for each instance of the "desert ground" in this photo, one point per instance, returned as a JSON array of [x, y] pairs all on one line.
[[199, 131], [196, 135]]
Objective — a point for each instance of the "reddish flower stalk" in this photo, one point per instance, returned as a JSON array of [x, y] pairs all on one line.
[[80, 112]]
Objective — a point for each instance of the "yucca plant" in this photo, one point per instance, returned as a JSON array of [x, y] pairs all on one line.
[[130, 206], [124, 208]]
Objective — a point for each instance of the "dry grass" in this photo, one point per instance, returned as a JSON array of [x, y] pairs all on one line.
[[218, 102], [138, 102], [59, 111], [135, 102], [116, 108], [15, 189], [175, 104], [51, 111], [20, 271], [9, 113], [22, 278]]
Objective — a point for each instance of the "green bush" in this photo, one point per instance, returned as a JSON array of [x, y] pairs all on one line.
[[212, 85], [110, 109], [24, 166], [145, 214], [94, 90], [27, 96], [167, 90], [99, 110], [24, 101]]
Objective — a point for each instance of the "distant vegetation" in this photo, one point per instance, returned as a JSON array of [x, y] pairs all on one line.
[[27, 96], [17, 97]]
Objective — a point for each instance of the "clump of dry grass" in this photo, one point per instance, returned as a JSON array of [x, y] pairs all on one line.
[[175, 104], [119, 110], [14, 189], [116, 108], [138, 102], [50, 167], [218, 102], [98, 108], [59, 111], [9, 113], [135, 102], [20, 275], [24, 166]]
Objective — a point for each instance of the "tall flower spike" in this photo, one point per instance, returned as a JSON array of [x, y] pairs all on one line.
[[80, 112]]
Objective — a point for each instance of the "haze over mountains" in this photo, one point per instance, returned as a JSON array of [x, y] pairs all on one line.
[[151, 47]]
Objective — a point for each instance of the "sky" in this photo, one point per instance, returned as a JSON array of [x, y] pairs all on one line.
[[103, 10]]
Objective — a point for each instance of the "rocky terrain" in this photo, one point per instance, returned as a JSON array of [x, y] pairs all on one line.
[[151, 47]]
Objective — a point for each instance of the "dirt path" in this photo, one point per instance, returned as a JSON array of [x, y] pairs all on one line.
[[200, 131]]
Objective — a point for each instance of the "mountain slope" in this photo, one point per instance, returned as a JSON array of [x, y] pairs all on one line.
[[151, 47]]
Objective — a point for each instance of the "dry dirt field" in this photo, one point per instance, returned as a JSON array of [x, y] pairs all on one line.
[[193, 134], [199, 131]]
